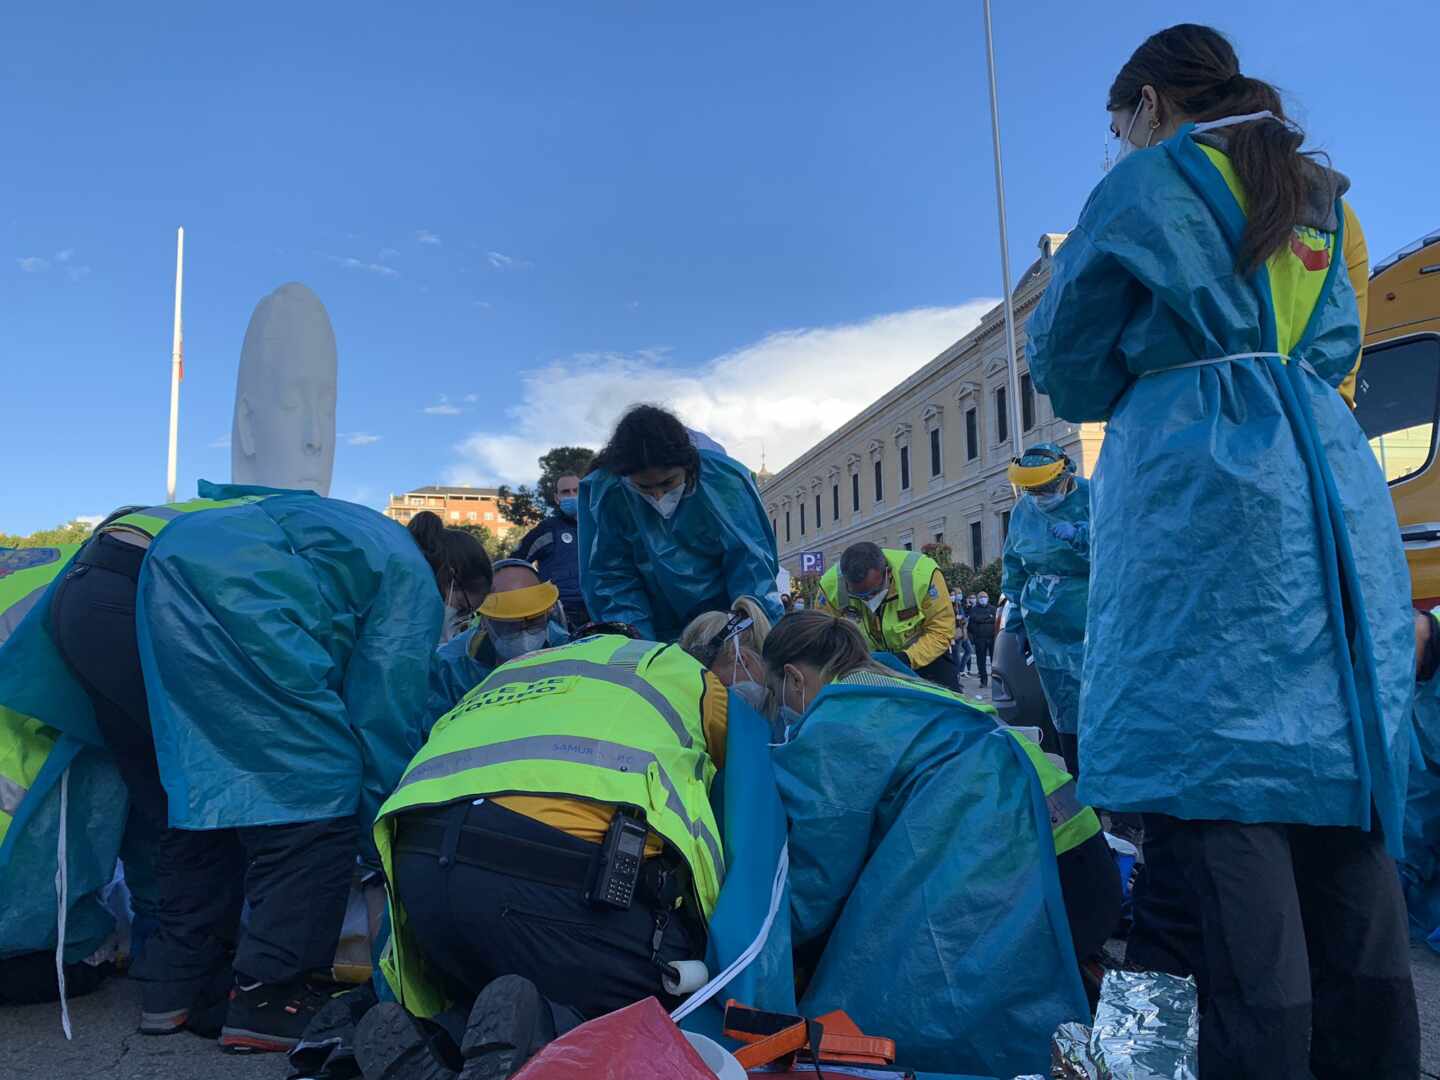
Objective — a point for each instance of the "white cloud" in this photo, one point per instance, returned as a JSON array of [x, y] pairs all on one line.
[[471, 399], [222, 443], [786, 391], [359, 438], [500, 261], [386, 254], [78, 273], [370, 268], [90, 519], [33, 264], [442, 408], [64, 256], [425, 236]]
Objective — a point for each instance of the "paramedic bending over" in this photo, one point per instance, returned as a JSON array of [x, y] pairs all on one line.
[[668, 531], [1202, 307]]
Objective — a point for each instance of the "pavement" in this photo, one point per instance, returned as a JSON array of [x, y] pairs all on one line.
[[107, 1047]]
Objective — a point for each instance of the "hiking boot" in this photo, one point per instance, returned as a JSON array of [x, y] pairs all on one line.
[[509, 1023], [268, 1018], [329, 1041], [390, 1045], [203, 1011]]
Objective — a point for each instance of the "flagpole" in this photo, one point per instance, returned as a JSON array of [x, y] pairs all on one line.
[[1012, 364], [177, 366]]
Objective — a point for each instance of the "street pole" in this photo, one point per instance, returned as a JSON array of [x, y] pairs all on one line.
[[177, 367], [1012, 363]]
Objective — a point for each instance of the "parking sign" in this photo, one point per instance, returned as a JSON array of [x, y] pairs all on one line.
[[812, 562]]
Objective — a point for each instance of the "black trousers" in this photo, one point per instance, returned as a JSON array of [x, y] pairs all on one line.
[[92, 620], [942, 672], [474, 924], [1090, 884], [984, 649], [1301, 952], [296, 879]]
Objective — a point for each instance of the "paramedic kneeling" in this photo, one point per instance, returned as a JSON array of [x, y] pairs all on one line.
[[588, 879]]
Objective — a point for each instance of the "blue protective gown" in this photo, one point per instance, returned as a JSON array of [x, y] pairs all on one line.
[[287, 647], [1238, 517], [921, 844], [94, 795], [1420, 864], [638, 568], [1047, 580]]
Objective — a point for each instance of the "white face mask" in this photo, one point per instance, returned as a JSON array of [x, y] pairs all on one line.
[[983, 601], [509, 645], [666, 504], [876, 602]]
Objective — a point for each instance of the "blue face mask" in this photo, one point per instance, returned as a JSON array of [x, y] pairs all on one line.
[[570, 506]]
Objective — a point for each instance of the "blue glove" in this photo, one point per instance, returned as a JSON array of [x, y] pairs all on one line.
[[1064, 532]]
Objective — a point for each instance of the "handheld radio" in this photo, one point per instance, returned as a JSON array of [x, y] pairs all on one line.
[[621, 855]]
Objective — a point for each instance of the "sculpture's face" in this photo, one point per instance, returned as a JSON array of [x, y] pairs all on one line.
[[284, 430]]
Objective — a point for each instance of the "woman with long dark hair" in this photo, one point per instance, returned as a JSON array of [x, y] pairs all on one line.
[[670, 529], [1202, 307]]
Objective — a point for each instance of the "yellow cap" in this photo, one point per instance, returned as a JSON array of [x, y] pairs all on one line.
[[1032, 476], [524, 603]]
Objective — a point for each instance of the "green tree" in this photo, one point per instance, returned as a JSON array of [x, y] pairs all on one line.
[[521, 506], [75, 532], [527, 506], [561, 461], [497, 545]]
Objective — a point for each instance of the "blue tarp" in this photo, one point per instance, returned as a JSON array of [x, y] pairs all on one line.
[[287, 647], [921, 856]]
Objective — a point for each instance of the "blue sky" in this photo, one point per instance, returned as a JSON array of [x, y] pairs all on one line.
[[521, 216]]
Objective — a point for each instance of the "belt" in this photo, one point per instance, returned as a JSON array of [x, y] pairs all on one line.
[[662, 879], [1213, 360]]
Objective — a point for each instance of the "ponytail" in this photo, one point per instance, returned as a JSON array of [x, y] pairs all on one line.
[[1195, 71]]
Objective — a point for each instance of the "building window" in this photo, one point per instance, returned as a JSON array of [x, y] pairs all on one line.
[[835, 501], [802, 517], [909, 545], [1027, 402], [855, 492], [417, 500], [939, 538], [1002, 416], [937, 460], [817, 511], [773, 529], [1004, 524], [454, 515], [904, 468], [787, 526], [977, 550], [489, 516], [972, 434], [472, 515], [879, 481]]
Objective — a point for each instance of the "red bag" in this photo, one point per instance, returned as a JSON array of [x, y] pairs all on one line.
[[639, 1042]]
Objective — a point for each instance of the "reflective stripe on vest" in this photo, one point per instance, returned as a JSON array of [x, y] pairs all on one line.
[[11, 796], [589, 669], [597, 753], [895, 633], [152, 519], [1071, 821]]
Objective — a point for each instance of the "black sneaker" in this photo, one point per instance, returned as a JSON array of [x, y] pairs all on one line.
[[389, 1045], [509, 1023], [328, 1046], [266, 1018], [166, 1008]]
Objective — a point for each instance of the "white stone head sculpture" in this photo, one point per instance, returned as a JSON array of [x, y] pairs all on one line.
[[284, 430]]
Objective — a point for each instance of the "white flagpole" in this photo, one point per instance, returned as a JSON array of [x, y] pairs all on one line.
[[1012, 363], [177, 366]]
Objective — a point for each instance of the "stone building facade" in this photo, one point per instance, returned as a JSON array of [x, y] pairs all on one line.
[[927, 461]]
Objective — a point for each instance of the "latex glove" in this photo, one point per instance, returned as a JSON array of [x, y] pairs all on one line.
[[1065, 532]]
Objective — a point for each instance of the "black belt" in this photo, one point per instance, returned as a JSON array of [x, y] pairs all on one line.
[[663, 879]]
